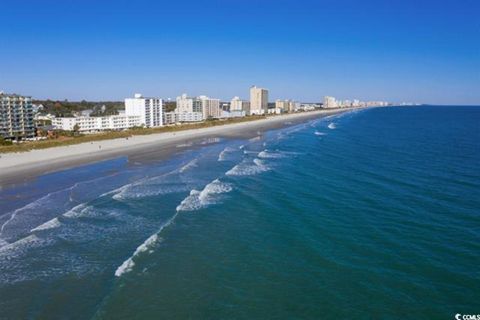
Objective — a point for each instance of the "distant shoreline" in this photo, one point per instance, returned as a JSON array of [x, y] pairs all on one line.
[[22, 166]]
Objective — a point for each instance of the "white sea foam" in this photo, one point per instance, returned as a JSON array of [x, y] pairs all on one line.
[[77, 211], [149, 186], [148, 190], [191, 164], [147, 245], [199, 199], [318, 133], [224, 154], [128, 264], [22, 245], [30, 206], [210, 141], [194, 201], [248, 169], [43, 202], [3, 243], [183, 145], [257, 138], [50, 224], [332, 126], [271, 155]]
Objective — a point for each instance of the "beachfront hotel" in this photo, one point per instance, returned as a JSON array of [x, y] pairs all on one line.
[[192, 109], [93, 124], [286, 105], [210, 107], [258, 100], [150, 110], [329, 102], [139, 112], [237, 104], [16, 117]]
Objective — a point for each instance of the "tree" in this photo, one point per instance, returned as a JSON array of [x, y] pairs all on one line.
[[76, 128]]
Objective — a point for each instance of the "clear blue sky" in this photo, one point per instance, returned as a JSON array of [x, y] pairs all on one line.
[[397, 50]]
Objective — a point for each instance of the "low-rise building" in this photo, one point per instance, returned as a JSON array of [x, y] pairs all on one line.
[[94, 124]]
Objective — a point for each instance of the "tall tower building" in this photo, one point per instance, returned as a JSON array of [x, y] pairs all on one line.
[[258, 100]]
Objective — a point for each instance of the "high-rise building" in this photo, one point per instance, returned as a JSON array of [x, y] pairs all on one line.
[[329, 102], [150, 110], [187, 104], [210, 107], [238, 104], [258, 100], [190, 108], [16, 117]]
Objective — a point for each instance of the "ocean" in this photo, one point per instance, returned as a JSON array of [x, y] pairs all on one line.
[[367, 214]]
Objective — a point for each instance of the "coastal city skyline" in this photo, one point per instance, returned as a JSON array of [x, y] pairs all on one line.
[[21, 119], [239, 159], [107, 50]]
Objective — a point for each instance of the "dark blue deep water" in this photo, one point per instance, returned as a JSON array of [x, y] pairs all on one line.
[[371, 214]]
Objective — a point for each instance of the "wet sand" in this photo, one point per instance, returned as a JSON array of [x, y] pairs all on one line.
[[18, 167]]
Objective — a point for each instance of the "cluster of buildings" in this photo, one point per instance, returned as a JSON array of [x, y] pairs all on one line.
[[331, 102], [150, 112], [17, 119]]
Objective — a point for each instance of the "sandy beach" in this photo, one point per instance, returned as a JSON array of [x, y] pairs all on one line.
[[18, 167]]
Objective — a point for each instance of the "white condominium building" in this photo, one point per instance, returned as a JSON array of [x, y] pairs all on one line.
[[197, 109], [238, 104], [258, 100], [187, 104], [329, 102], [150, 110], [189, 109], [93, 124]]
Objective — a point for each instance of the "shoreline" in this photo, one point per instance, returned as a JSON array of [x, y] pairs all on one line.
[[22, 166]]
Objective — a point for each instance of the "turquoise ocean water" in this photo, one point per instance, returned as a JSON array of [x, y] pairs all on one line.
[[369, 214]]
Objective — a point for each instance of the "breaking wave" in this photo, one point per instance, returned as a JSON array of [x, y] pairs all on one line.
[[318, 133], [50, 224], [248, 169], [128, 264], [192, 164], [148, 190], [209, 195], [270, 155], [223, 155], [22, 245], [332, 126], [77, 211]]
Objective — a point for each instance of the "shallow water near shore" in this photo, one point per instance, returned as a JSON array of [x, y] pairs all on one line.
[[369, 214]]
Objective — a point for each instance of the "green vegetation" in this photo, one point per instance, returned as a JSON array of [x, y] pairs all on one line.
[[65, 138], [4, 142], [67, 108]]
